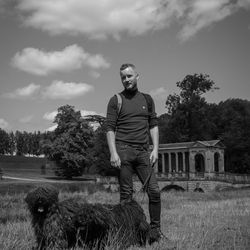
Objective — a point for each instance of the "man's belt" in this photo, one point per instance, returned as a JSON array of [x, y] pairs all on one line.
[[135, 146]]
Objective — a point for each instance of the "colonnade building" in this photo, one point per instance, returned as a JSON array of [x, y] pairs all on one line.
[[190, 159]]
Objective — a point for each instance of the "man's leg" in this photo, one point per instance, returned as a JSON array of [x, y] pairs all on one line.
[[144, 171], [127, 156]]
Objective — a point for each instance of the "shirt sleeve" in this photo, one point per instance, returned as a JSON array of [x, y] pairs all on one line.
[[153, 120], [112, 114]]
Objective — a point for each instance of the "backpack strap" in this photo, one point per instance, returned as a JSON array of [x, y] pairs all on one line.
[[149, 102], [119, 103]]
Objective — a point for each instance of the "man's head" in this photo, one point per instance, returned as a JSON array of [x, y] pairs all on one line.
[[129, 77]]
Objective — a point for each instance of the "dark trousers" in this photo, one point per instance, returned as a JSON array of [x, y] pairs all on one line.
[[136, 160]]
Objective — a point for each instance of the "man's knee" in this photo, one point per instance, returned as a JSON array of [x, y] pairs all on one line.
[[126, 193], [154, 195]]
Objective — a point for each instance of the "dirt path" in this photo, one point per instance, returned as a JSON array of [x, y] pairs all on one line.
[[35, 180]]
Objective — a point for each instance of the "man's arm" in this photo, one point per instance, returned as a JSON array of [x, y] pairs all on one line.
[[114, 157], [154, 132], [111, 126]]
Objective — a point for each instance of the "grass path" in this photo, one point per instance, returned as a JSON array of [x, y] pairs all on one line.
[[34, 179]]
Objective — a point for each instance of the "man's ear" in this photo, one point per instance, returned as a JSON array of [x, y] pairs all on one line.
[[137, 77]]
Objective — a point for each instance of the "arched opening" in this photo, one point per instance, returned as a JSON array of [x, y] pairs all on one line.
[[199, 165], [216, 162], [172, 187]]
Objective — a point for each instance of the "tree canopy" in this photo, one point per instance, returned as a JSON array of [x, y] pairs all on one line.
[[188, 112], [69, 143]]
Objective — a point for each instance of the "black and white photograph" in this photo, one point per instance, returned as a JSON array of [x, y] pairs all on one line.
[[125, 124]]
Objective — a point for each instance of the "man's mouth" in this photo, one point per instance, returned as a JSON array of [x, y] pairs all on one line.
[[129, 85], [40, 209]]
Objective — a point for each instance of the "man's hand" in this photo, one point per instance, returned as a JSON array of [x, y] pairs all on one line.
[[115, 160], [153, 157]]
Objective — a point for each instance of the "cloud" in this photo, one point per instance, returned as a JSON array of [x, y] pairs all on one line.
[[204, 13], [26, 119], [3, 124], [99, 19], [25, 92], [94, 74], [160, 93], [87, 112], [66, 91], [52, 128], [50, 116], [40, 62]]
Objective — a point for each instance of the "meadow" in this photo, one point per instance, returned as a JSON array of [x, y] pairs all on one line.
[[215, 220]]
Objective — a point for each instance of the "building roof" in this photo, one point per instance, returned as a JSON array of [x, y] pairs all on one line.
[[194, 144]]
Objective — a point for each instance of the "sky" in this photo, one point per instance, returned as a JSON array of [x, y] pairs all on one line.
[[58, 52]]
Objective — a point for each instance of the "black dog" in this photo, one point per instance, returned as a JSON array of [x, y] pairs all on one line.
[[68, 223]]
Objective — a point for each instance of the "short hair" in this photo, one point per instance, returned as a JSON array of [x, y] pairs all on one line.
[[127, 65]]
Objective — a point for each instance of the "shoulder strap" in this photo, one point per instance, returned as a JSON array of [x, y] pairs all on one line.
[[119, 103], [149, 102]]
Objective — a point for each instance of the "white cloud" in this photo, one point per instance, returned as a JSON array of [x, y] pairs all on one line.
[[52, 128], [66, 91], [99, 19], [159, 93], [50, 116], [94, 74], [26, 119], [40, 62], [204, 13], [87, 112], [25, 92], [3, 124]]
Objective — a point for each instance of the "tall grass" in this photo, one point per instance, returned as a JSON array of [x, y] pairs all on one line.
[[189, 220]]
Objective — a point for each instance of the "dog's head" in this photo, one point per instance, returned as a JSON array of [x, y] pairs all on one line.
[[41, 199]]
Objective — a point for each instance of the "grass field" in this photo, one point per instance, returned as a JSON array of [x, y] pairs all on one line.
[[20, 166], [189, 220]]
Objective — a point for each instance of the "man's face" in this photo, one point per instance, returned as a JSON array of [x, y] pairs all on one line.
[[129, 78]]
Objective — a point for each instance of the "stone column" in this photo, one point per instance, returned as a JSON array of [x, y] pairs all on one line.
[[169, 164], [176, 162], [156, 167], [183, 163], [163, 164], [191, 164], [221, 162]]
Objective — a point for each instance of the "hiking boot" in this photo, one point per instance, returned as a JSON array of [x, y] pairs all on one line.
[[155, 235]]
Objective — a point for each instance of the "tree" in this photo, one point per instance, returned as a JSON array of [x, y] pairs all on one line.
[[20, 143], [68, 146], [100, 151], [189, 112], [12, 143], [233, 121], [4, 142]]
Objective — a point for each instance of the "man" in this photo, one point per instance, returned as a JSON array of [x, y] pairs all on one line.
[[128, 141]]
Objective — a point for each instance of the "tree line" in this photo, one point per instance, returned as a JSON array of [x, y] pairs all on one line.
[[22, 142], [76, 147]]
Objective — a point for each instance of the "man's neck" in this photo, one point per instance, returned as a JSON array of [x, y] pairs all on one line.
[[130, 93]]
